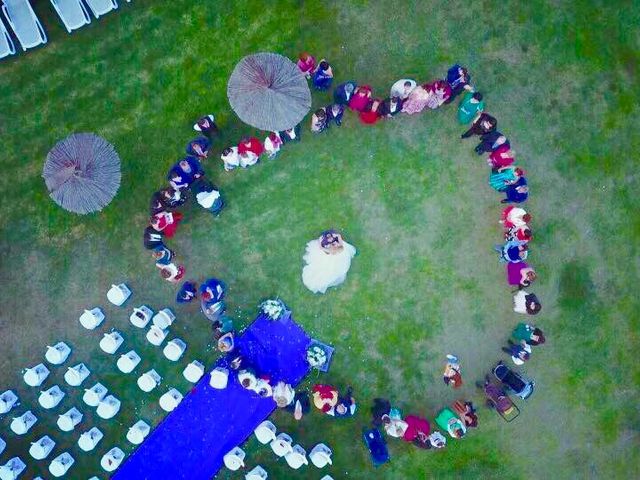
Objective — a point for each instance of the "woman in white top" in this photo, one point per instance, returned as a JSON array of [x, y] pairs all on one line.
[[402, 88]]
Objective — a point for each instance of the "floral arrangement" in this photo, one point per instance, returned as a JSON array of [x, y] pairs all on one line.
[[273, 308], [316, 356]]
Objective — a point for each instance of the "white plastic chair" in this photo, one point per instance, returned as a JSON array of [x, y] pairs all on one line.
[[234, 460], [72, 13], [138, 432], [90, 439], [170, 400], [41, 448], [327, 477], [141, 316], [112, 459], [194, 371], [108, 407], [3, 445], [174, 349], [128, 361], [61, 464], [57, 354], [320, 455], [117, 294], [24, 23], [91, 319], [265, 432], [76, 375], [149, 380], [100, 7], [219, 378], [35, 376], [111, 342], [156, 335], [50, 398], [92, 396], [12, 469], [22, 424], [68, 420], [257, 473], [8, 400], [282, 445], [297, 457], [164, 319]]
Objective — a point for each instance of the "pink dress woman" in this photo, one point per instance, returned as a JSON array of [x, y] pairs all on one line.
[[417, 100], [439, 92]]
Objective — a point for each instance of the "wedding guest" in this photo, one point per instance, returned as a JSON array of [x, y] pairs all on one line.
[[380, 408], [415, 426], [188, 291], [306, 64], [458, 79], [230, 158], [212, 291], [346, 406], [319, 121], [372, 113], [172, 273], [206, 125], [343, 92], [526, 303], [198, 147], [519, 352], [300, 406], [174, 197], [467, 413], [417, 100], [434, 441], [402, 88], [520, 275], [439, 92], [394, 427], [166, 222], [360, 98], [391, 107], [283, 394], [335, 113], [513, 252], [221, 325], [226, 343], [470, 106], [247, 379], [490, 142], [249, 150], [185, 172], [502, 156], [159, 202], [152, 238], [323, 76], [451, 375], [501, 178], [482, 124], [162, 255], [272, 144], [291, 134], [208, 197], [178, 179], [519, 234], [514, 217], [517, 192], [325, 397], [528, 333]]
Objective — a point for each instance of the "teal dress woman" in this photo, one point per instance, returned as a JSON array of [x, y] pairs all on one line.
[[501, 178], [470, 106]]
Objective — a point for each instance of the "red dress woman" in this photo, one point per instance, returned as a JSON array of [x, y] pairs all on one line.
[[166, 222], [372, 113], [502, 156], [252, 145], [360, 99]]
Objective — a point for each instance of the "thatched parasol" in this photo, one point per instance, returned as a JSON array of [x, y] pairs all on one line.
[[269, 92], [82, 173]]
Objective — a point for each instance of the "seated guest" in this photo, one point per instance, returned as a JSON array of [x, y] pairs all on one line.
[[343, 92], [458, 79], [519, 234], [325, 397], [290, 135], [300, 405], [208, 197], [517, 192], [391, 107], [249, 150], [470, 106], [230, 158], [159, 202], [174, 197], [483, 123], [502, 156], [415, 426], [152, 238], [319, 121], [172, 273], [178, 179], [501, 178], [272, 144], [223, 324], [513, 252], [417, 100], [490, 142], [380, 408], [166, 222], [162, 255], [187, 292], [185, 172], [323, 76], [226, 343], [526, 303], [520, 352], [439, 92], [335, 113], [372, 112], [394, 427], [456, 428], [206, 125], [346, 406], [467, 413], [402, 88], [211, 291], [360, 98], [520, 274], [514, 217], [306, 64], [263, 388], [198, 147], [528, 333]]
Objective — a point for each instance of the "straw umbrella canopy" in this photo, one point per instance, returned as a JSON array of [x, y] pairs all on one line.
[[268, 91], [82, 173]]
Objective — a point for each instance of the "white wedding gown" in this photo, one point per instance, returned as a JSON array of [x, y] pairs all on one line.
[[323, 270]]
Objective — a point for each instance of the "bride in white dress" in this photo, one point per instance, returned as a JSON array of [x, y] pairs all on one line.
[[328, 260]]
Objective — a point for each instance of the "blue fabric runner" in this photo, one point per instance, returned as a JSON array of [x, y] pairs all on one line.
[[192, 440]]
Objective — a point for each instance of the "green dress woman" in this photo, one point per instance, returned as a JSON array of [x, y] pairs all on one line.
[[470, 106]]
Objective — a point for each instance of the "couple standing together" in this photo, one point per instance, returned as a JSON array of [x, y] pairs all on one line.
[[327, 261]]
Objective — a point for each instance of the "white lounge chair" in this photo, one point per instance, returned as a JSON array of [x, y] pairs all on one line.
[[112, 459], [68, 420], [128, 361], [24, 23], [100, 7], [12, 469], [73, 13], [57, 354], [90, 439], [22, 424], [174, 349], [118, 294], [138, 432], [257, 473], [61, 464], [297, 457], [41, 448], [194, 371], [35, 376], [265, 432], [281, 446], [108, 407], [8, 400], [170, 400], [76, 375], [234, 460], [156, 335], [141, 316], [50, 398], [6, 43], [164, 318], [91, 319], [149, 380], [219, 378], [320, 455], [111, 342], [94, 395]]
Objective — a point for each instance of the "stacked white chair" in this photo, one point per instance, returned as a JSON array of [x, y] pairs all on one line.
[[50, 398], [320, 455], [68, 420], [141, 316], [61, 464], [164, 319], [234, 460], [57, 354], [194, 371], [297, 457], [265, 432], [41, 448], [128, 361], [35, 376], [282, 445], [76, 375], [111, 342], [92, 396], [22, 424], [118, 294], [91, 319], [138, 432], [108, 407], [149, 380], [156, 335], [219, 378], [170, 400], [12, 469], [112, 459], [3, 445], [174, 349], [8, 400], [90, 439], [257, 473]]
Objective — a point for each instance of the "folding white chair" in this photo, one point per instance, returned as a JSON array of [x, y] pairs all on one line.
[[50, 398], [170, 400], [76, 375], [164, 318], [257, 473], [265, 432], [61, 464], [128, 361], [117, 294], [219, 378], [234, 460], [194, 371], [12, 469], [57, 354], [149, 380], [282, 445], [68, 420], [174, 349], [156, 335], [41, 448], [112, 459], [90, 439], [320, 455], [22, 424], [108, 407], [90, 319], [24, 23], [141, 316], [138, 432], [111, 342], [35, 376], [72, 13], [297, 457], [92, 396], [8, 400]]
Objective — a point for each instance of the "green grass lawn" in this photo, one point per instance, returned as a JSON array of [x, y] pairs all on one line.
[[562, 78]]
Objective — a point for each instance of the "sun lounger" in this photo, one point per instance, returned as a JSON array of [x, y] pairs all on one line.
[[73, 13], [24, 23], [6, 44], [100, 7]]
